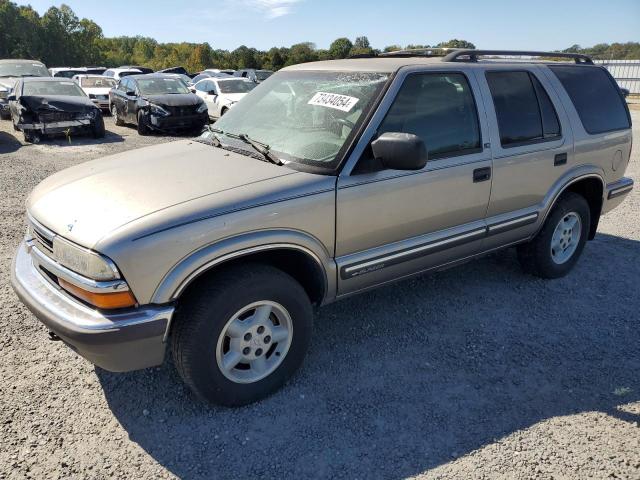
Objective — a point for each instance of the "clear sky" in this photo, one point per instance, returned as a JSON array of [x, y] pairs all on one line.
[[539, 24]]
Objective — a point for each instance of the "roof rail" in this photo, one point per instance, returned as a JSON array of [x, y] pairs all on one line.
[[420, 52], [472, 55]]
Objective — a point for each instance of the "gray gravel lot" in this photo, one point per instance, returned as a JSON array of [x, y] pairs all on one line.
[[475, 372]]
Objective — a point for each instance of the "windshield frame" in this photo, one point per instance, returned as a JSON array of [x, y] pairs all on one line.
[[40, 66], [81, 81], [230, 81], [335, 166], [61, 80], [164, 79]]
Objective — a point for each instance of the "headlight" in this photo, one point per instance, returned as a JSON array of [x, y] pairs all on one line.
[[157, 110], [83, 261], [202, 108]]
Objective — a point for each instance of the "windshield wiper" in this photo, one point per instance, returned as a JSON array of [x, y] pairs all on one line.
[[261, 148]]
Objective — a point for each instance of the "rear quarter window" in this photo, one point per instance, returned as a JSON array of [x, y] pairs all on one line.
[[595, 96]]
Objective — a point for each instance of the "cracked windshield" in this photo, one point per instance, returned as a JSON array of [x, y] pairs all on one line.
[[303, 117]]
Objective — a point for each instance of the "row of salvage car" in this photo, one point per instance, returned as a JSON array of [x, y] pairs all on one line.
[[41, 105]]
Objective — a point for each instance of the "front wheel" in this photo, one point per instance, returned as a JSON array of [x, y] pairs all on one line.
[[98, 126], [558, 246], [143, 126], [240, 336]]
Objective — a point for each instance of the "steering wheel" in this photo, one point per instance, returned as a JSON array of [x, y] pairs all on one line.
[[347, 123]]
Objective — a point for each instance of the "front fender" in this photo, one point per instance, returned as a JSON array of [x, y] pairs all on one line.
[[201, 261]]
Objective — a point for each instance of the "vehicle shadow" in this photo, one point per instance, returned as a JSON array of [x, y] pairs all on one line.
[[8, 143], [79, 140], [408, 377]]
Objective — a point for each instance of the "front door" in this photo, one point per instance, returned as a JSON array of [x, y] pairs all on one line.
[[393, 223]]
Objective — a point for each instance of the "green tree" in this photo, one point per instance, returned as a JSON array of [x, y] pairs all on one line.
[[302, 53], [392, 48], [340, 48], [455, 43]]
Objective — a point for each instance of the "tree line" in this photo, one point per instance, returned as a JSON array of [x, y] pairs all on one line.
[[60, 38]]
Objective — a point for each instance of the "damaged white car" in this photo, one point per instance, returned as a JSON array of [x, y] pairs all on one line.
[[97, 88]]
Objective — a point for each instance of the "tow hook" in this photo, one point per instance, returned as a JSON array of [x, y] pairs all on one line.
[[53, 337]]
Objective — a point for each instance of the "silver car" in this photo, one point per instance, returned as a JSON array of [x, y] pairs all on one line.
[[328, 179]]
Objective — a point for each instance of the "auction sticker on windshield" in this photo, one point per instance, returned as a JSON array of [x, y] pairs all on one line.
[[334, 100]]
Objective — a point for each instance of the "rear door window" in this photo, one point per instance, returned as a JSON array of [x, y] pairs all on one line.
[[596, 97], [524, 111]]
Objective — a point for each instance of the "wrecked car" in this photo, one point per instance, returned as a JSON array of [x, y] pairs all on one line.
[[157, 102], [50, 106], [10, 72]]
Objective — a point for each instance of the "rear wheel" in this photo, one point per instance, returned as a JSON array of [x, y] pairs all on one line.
[[114, 114], [143, 125], [558, 246], [241, 335]]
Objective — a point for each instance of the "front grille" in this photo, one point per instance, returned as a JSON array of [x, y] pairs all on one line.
[[57, 117], [43, 239], [182, 111]]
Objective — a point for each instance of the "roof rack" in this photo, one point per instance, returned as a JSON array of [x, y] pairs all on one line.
[[470, 55], [421, 52]]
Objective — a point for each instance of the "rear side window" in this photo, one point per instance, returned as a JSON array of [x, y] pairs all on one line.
[[440, 109], [596, 97], [524, 111]]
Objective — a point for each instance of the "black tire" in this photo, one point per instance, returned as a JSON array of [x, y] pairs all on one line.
[[116, 118], [98, 126], [31, 136], [203, 314], [143, 127], [536, 257]]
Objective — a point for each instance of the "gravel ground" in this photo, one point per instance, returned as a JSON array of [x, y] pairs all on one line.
[[476, 372]]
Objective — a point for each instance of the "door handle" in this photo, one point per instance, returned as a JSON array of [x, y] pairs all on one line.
[[481, 174], [560, 159]]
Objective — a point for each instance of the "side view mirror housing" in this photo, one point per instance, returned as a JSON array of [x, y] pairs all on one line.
[[212, 92], [400, 151], [11, 98], [131, 94]]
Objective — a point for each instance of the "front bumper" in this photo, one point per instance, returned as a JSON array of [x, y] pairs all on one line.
[[57, 127], [119, 342], [101, 104], [616, 193], [187, 122]]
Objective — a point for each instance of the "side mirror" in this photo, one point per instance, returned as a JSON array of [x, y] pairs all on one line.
[[212, 92], [400, 151], [130, 94], [11, 98], [192, 90]]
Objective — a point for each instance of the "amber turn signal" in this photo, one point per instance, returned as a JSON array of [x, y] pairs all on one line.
[[107, 301]]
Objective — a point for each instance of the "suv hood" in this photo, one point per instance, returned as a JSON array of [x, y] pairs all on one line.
[[87, 202]]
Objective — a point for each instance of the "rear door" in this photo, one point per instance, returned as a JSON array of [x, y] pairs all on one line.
[[532, 145], [393, 223]]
